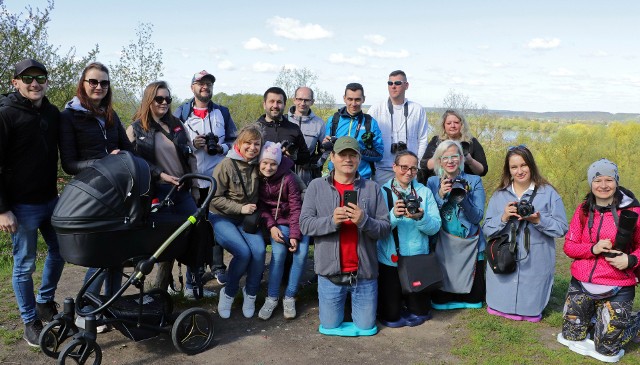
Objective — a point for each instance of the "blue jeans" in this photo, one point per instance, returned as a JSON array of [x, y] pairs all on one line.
[[276, 266], [248, 252], [364, 302], [112, 279], [32, 217]]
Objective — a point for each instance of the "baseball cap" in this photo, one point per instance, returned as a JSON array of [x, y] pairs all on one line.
[[346, 143], [201, 75], [26, 64]]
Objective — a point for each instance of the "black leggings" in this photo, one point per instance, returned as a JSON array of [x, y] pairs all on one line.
[[390, 297], [476, 295]]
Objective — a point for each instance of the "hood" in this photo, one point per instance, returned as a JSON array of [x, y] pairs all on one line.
[[74, 104], [343, 113], [628, 199], [235, 155], [263, 121], [285, 166], [302, 118], [16, 100]]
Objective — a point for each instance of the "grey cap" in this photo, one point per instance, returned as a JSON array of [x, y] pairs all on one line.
[[602, 167], [346, 143], [26, 64]]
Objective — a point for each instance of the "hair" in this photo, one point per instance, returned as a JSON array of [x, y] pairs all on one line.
[[589, 203], [398, 73], [465, 131], [354, 86], [105, 109], [250, 132], [275, 90], [144, 111], [527, 156], [441, 149], [403, 153], [295, 93]]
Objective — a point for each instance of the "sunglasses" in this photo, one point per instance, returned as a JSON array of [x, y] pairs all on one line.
[[397, 83], [93, 83], [160, 99], [28, 79], [518, 147]]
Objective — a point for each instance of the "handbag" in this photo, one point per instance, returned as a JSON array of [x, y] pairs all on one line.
[[418, 272], [250, 222], [458, 258]]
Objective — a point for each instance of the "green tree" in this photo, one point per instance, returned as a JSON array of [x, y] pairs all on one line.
[[289, 79]]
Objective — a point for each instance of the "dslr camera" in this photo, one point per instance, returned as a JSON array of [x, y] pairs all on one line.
[[211, 140], [291, 149], [525, 208], [367, 140], [397, 147], [459, 189], [412, 203], [328, 146]]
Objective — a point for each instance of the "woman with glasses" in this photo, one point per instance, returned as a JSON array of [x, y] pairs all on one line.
[[454, 127], [90, 130], [414, 217], [460, 243], [526, 201]]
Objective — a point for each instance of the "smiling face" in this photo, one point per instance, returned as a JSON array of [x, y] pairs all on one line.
[[450, 161], [409, 164], [203, 89], [250, 149], [95, 94], [268, 167], [33, 90], [274, 106], [452, 126], [603, 187], [346, 162], [303, 100], [353, 101], [159, 110], [519, 170]]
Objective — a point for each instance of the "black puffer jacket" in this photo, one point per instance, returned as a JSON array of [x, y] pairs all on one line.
[[285, 130]]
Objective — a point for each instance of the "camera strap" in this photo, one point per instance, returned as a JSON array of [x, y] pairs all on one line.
[[279, 196], [396, 239], [244, 189], [406, 115], [614, 213], [526, 230]]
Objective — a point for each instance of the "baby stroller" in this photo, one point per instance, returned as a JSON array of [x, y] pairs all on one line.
[[104, 220]]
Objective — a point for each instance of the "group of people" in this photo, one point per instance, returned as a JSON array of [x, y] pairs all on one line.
[[390, 192]]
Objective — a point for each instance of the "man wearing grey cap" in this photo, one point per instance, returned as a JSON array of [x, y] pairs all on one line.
[[28, 191], [346, 215]]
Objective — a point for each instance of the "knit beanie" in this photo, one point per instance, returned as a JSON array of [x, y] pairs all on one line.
[[272, 151], [602, 167]]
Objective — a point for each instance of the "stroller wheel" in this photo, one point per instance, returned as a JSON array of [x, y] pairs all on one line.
[[80, 352], [192, 331], [54, 335]]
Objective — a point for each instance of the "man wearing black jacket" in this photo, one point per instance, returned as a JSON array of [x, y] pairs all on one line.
[[278, 128], [28, 191]]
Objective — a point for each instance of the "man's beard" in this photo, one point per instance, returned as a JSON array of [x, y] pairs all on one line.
[[203, 99]]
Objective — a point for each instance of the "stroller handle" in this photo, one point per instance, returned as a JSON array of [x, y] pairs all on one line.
[[185, 177]]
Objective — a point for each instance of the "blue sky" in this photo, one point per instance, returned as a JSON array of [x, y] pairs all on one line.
[[534, 56]]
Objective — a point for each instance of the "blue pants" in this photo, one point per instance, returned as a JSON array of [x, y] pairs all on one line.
[[276, 266], [332, 297]]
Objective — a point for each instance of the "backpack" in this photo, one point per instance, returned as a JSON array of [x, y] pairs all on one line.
[[367, 129]]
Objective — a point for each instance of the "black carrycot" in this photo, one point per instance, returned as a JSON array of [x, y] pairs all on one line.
[[103, 216]]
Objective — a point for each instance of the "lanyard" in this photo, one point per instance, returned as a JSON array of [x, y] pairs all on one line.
[[406, 114]]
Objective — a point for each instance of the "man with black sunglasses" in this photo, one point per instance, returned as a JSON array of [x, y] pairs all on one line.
[[403, 124], [28, 191]]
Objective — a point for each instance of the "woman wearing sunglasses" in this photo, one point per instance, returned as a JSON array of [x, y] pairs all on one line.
[[90, 130], [527, 201], [454, 127], [460, 242], [413, 221]]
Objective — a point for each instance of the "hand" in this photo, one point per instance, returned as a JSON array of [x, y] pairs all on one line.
[[417, 215], [326, 139], [601, 246], [354, 213], [115, 152], [294, 245], [340, 215], [533, 218], [248, 209], [468, 159], [199, 141], [8, 222], [445, 187], [620, 262], [510, 211], [399, 208], [276, 234], [169, 179]]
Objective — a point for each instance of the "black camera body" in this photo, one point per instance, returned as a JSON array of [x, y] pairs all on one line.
[[367, 140], [412, 203], [211, 140], [398, 147], [624, 235], [291, 149], [328, 145], [525, 208], [459, 189]]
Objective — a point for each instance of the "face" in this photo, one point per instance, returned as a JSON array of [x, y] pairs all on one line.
[[353, 100], [159, 110], [398, 91], [274, 105], [203, 89], [32, 91], [450, 161], [603, 187], [268, 167], [303, 100], [452, 126], [519, 170], [346, 162], [250, 149], [409, 164], [97, 93]]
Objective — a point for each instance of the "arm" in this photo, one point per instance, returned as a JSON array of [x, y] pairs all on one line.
[[68, 146], [473, 203], [376, 225], [378, 145], [311, 223], [295, 205], [230, 129], [477, 161], [223, 180], [303, 150], [123, 141], [575, 246], [493, 218], [155, 170], [430, 222], [423, 132], [425, 161], [4, 142]]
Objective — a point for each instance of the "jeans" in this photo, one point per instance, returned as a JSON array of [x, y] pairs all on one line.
[[248, 252], [276, 266], [112, 279], [332, 297], [30, 218]]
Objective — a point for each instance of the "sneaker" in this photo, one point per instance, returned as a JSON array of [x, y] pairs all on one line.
[[80, 323], [32, 333], [208, 276], [171, 291], [46, 311], [221, 276], [188, 294], [266, 311], [289, 305], [248, 304], [224, 304]]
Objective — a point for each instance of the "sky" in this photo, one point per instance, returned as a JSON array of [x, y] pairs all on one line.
[[512, 55]]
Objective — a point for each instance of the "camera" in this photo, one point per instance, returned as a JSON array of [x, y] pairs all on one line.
[[213, 148], [291, 149], [524, 208], [459, 189], [367, 140], [397, 147], [328, 146], [412, 203], [624, 235]]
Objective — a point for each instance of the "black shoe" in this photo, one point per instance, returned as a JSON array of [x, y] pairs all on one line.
[[207, 277], [46, 311], [32, 333]]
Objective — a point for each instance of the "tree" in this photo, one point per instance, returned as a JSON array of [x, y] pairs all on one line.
[[289, 79]]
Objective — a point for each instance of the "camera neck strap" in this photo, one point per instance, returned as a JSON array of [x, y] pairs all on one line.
[[614, 213], [275, 218], [406, 118], [244, 189], [394, 231], [399, 194]]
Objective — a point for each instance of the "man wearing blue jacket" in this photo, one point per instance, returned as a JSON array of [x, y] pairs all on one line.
[[351, 121]]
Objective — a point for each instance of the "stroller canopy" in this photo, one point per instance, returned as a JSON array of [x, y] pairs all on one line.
[[112, 194]]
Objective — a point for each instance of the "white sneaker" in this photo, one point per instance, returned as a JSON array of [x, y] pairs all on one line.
[[188, 294], [266, 311], [224, 304], [248, 304], [289, 305], [99, 329], [171, 291]]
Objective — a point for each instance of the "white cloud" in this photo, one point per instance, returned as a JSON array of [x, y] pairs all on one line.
[[375, 39], [498, 65], [370, 52], [255, 44], [482, 46], [562, 72], [264, 67], [340, 58], [540, 43], [600, 53], [293, 29], [226, 65]]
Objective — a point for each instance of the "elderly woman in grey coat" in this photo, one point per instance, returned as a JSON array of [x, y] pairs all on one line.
[[524, 293]]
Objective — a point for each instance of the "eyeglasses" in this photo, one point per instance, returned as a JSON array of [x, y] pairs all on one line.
[[28, 79], [452, 158], [397, 83], [405, 168], [204, 83], [301, 100], [160, 99], [93, 83], [518, 147]]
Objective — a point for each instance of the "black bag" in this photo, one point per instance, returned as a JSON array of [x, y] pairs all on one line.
[[250, 222], [502, 253]]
